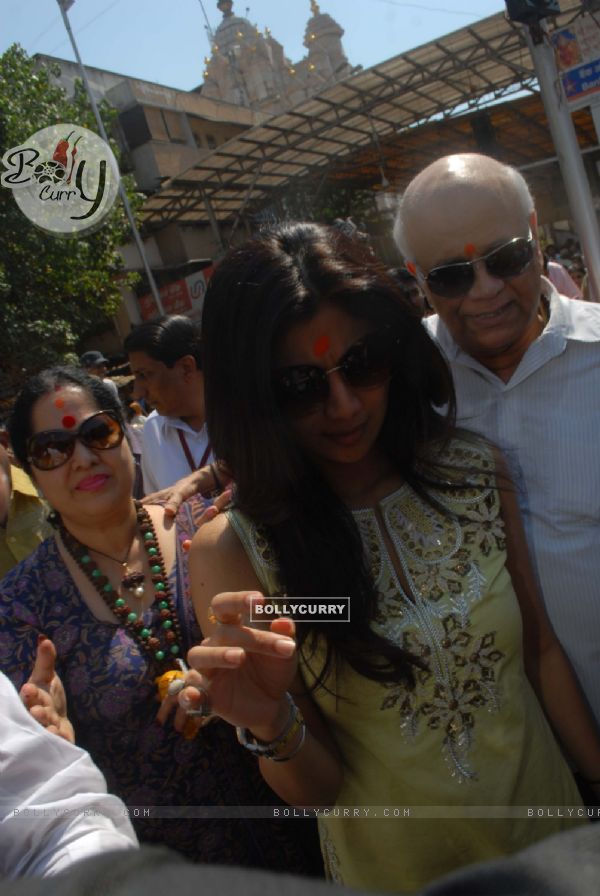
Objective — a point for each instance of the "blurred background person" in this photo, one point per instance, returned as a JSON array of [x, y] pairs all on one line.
[[23, 515], [559, 276], [95, 364], [410, 288], [165, 359]]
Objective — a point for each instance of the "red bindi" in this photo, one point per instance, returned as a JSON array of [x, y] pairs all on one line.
[[59, 403], [470, 249], [68, 422], [322, 345]]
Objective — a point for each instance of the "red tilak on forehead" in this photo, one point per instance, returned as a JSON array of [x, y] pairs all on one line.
[[59, 403], [322, 345], [470, 249], [68, 422]]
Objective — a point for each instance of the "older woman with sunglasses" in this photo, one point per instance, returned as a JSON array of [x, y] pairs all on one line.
[[110, 590], [324, 396]]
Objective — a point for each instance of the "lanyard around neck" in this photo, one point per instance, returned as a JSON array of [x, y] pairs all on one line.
[[188, 453]]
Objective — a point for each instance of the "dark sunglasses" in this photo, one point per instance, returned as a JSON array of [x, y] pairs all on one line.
[[367, 363], [509, 260], [52, 448]]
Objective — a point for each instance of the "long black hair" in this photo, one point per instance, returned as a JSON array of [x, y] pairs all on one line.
[[20, 422], [256, 294]]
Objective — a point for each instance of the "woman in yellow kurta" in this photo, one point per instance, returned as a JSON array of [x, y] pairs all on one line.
[[322, 390]]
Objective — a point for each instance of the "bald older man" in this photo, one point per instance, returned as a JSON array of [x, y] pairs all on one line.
[[526, 366]]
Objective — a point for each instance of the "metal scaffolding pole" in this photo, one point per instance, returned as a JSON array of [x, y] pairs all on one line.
[[64, 5], [567, 150], [214, 224]]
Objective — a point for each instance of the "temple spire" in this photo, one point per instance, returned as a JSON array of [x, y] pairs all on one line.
[[250, 69]]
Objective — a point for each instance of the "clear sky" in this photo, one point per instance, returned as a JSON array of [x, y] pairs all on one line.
[[166, 40]]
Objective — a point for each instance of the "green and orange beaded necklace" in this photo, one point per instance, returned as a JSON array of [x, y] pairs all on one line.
[[163, 645]]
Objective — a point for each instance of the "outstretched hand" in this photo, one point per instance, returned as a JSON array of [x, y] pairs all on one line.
[[199, 482], [243, 672], [44, 694]]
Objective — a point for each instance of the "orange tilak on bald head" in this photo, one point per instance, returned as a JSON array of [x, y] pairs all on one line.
[[59, 403], [321, 346], [470, 250]]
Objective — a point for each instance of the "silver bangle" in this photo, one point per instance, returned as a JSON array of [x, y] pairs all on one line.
[[296, 749], [271, 749]]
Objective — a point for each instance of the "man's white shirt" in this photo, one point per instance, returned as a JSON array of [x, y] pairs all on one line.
[[546, 421], [163, 457]]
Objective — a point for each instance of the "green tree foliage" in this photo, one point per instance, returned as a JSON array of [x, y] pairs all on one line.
[[54, 292], [326, 202]]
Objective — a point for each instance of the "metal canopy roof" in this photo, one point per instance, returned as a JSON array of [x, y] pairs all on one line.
[[519, 135], [465, 71]]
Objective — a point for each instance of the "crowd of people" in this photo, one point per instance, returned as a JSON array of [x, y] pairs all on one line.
[[420, 443], [565, 267]]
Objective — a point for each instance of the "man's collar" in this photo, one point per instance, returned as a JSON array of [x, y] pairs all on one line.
[[571, 318], [164, 422]]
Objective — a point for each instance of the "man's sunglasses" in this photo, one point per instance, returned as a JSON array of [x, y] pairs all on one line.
[[52, 448], [367, 363], [450, 281]]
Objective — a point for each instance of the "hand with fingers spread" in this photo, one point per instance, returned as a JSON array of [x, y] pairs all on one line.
[[206, 481], [44, 696], [243, 672]]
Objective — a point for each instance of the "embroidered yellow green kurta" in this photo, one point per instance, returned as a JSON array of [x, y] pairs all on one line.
[[471, 738]]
